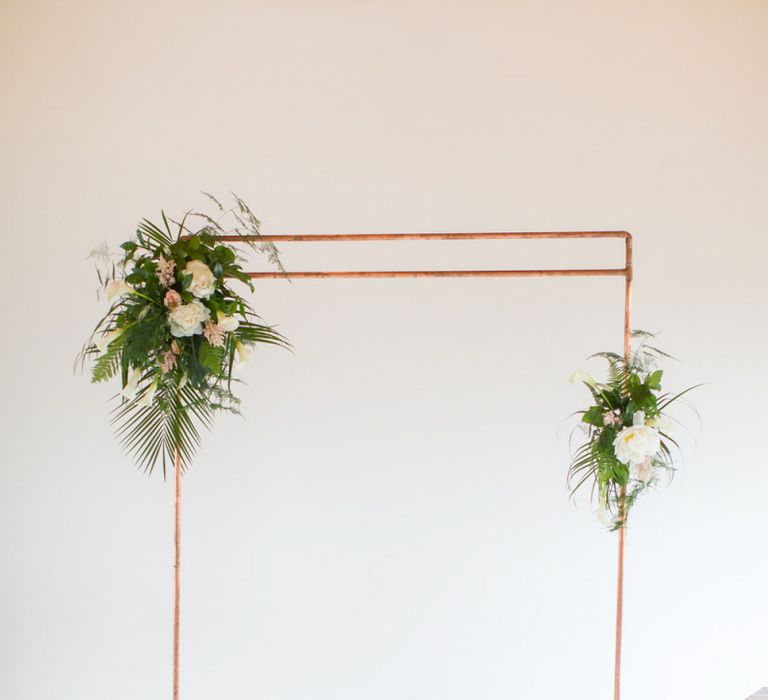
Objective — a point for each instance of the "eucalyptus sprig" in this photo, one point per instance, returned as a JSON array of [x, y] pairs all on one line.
[[628, 442], [176, 330]]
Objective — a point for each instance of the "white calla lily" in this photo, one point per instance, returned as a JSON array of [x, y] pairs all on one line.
[[227, 323], [604, 516], [103, 342], [243, 354], [148, 395], [662, 423], [131, 387], [117, 288], [581, 375]]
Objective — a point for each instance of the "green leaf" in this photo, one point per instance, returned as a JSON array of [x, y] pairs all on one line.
[[654, 380], [210, 357], [594, 416]]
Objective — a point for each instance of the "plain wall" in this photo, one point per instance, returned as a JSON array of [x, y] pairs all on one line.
[[390, 520]]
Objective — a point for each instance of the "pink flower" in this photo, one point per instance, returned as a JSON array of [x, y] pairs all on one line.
[[644, 470], [169, 361], [610, 418], [166, 271], [214, 334], [172, 299]]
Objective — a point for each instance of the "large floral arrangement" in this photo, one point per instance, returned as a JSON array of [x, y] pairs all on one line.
[[627, 426], [176, 330]]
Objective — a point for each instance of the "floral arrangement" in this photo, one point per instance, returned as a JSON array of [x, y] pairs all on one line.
[[628, 443], [176, 331]]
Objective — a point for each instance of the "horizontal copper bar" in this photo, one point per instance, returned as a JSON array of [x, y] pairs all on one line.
[[620, 272], [333, 237]]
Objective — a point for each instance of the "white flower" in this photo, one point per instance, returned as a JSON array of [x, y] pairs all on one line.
[[243, 354], [581, 375], [662, 423], [203, 281], [604, 516], [148, 395], [632, 445], [116, 288], [227, 323], [188, 319], [132, 385], [103, 342]]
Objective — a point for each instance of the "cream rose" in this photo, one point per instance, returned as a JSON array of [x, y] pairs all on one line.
[[632, 445], [188, 319], [203, 281]]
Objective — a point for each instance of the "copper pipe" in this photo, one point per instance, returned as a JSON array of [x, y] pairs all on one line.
[[623, 494], [177, 572], [361, 237], [502, 235], [439, 273], [626, 272], [627, 296]]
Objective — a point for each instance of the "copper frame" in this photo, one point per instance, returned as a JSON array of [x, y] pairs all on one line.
[[625, 272]]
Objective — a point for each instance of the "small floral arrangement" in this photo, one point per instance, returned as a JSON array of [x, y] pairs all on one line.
[[627, 427], [175, 331]]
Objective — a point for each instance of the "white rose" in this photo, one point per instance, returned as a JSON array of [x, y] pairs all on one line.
[[632, 445], [581, 375], [203, 281], [116, 288], [188, 319]]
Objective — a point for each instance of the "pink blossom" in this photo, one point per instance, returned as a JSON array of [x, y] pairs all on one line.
[[169, 361], [214, 334], [644, 470], [166, 271]]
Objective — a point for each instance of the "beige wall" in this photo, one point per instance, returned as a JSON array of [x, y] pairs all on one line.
[[390, 521]]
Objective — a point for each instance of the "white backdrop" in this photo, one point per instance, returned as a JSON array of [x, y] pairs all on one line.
[[390, 521]]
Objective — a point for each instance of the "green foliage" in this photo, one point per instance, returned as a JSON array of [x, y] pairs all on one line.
[[629, 399], [174, 379]]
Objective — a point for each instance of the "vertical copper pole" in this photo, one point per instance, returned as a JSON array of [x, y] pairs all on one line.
[[176, 572], [623, 495]]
